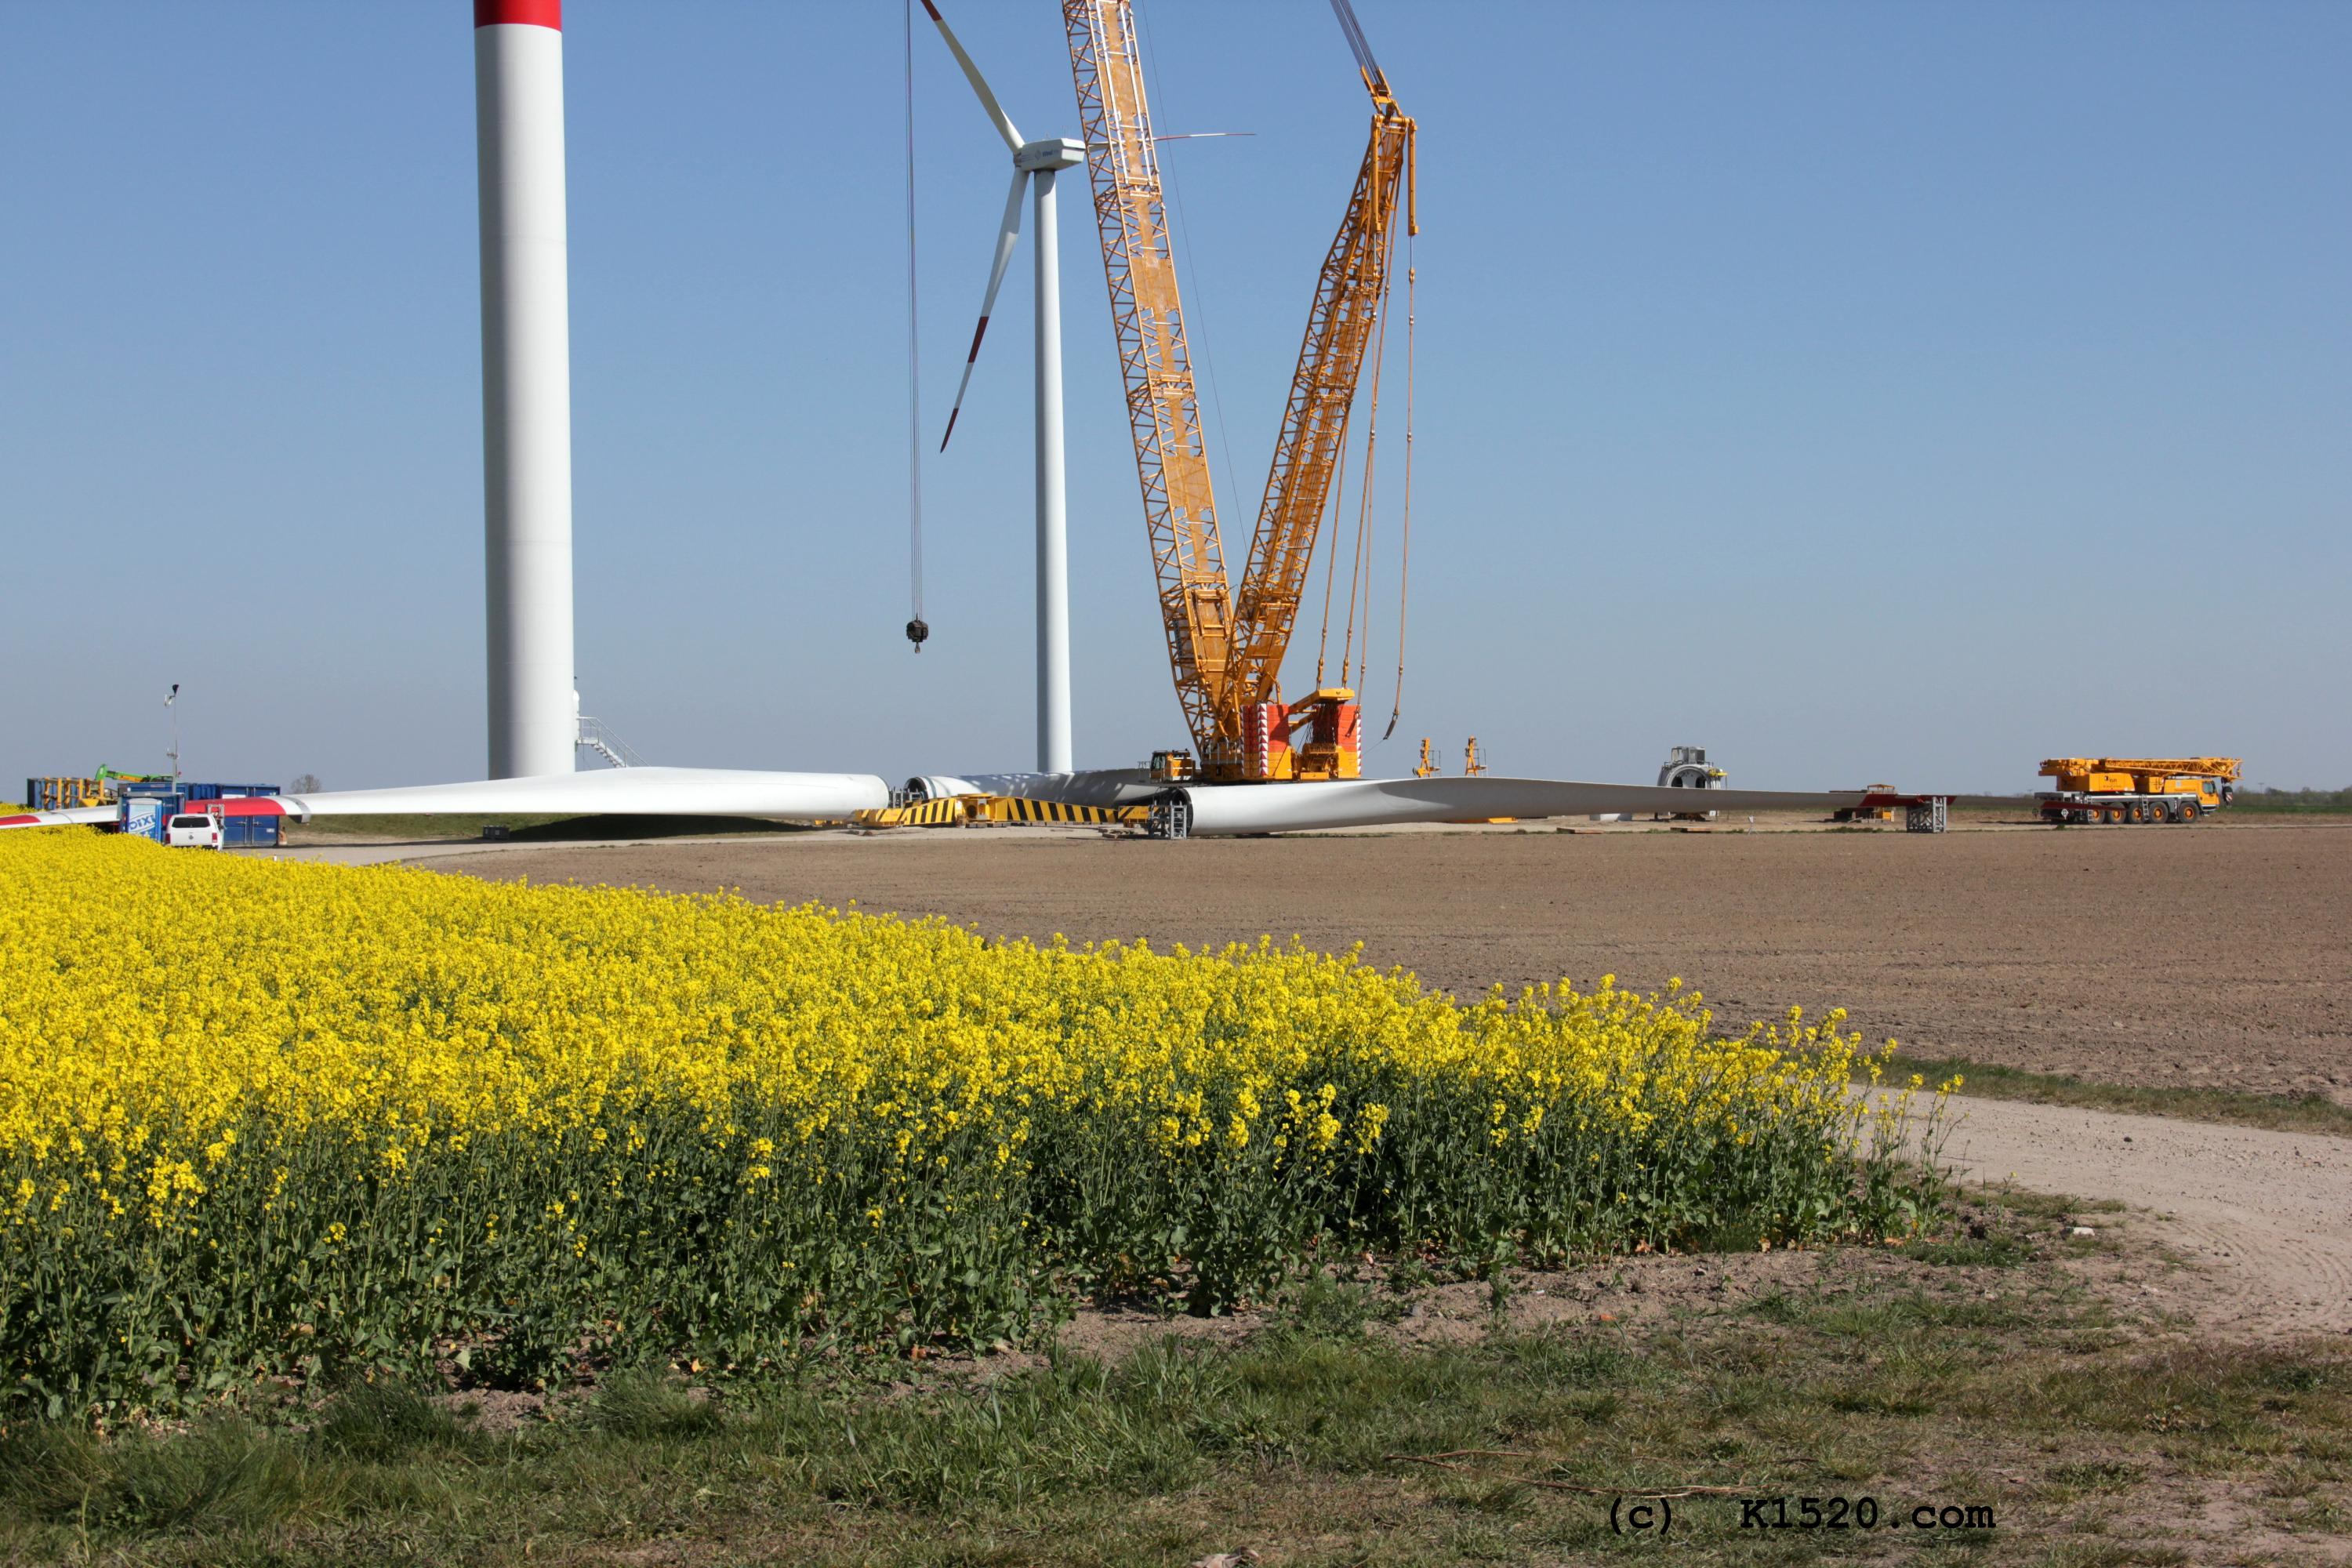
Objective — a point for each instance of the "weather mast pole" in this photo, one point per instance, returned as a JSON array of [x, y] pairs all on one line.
[[534, 712]]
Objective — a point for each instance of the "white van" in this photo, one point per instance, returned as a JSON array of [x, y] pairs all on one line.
[[193, 830]]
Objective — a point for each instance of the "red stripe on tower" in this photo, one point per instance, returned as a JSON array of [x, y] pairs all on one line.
[[530, 13]]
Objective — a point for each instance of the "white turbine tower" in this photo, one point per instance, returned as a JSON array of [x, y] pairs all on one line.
[[1035, 166], [526, 385]]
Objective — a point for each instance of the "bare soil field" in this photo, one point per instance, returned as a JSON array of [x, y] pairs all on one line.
[[2217, 957]]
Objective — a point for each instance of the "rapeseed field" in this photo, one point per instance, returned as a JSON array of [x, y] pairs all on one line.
[[269, 1120]]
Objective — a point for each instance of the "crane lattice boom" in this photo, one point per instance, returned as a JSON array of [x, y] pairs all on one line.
[[1348, 296], [1148, 319], [1226, 649]]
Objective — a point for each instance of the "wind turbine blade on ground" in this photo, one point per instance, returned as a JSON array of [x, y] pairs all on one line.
[[1007, 236], [1003, 122]]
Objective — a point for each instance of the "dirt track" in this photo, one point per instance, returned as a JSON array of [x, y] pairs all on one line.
[[2213, 956], [2266, 1216]]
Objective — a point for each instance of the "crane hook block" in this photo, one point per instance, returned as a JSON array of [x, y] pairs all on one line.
[[917, 630]]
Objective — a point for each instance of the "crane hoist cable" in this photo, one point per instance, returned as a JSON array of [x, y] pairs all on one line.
[[1359, 586], [1404, 552], [1331, 556], [918, 629]]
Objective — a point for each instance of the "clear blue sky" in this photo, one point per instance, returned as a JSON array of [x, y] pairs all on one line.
[[1863, 391]]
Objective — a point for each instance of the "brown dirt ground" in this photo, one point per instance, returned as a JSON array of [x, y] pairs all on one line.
[[2215, 956]]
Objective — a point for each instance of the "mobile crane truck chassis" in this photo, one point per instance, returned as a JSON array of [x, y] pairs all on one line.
[[2137, 789]]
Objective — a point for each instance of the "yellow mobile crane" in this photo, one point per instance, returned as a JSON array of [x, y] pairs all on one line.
[[1226, 649], [2137, 789]]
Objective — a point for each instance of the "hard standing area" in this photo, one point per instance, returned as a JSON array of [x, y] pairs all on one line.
[[2212, 956]]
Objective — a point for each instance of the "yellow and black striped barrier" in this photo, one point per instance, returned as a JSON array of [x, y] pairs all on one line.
[[947, 811], [971, 810], [1011, 808]]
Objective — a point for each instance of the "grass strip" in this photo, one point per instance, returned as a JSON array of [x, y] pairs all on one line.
[[2305, 1112], [1975, 1370], [2295, 802]]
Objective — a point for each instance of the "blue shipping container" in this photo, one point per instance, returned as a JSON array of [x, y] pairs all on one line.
[[221, 791]]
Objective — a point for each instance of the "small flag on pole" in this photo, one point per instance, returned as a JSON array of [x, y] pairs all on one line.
[[176, 695]]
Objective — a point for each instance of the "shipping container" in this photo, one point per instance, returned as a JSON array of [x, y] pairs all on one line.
[[222, 791], [249, 832]]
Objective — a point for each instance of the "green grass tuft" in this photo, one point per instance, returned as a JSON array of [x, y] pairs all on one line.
[[385, 1421], [650, 1402], [2305, 1112]]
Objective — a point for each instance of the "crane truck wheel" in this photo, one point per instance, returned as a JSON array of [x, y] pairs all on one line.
[[2188, 811]]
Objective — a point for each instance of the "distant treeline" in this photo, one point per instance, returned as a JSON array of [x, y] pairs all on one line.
[[2295, 800]]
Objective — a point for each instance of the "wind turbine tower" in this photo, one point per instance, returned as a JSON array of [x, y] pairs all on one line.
[[526, 385], [1035, 166]]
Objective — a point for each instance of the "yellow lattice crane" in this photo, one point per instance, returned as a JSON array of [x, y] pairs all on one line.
[[1226, 649]]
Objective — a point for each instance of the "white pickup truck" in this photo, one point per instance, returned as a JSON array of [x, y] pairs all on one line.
[[193, 830]]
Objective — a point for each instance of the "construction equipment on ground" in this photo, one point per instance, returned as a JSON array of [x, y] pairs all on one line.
[[2137, 789], [1226, 648], [1866, 813], [1687, 767], [103, 788], [1001, 810]]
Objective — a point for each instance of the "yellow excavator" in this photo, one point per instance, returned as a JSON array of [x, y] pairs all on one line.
[[1226, 646]]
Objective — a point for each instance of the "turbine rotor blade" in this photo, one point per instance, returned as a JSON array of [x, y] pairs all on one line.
[[1007, 234], [1003, 122]]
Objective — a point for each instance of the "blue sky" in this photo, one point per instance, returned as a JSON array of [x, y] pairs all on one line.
[[1865, 391]]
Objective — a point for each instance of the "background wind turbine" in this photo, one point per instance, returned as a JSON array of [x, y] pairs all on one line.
[[1035, 165]]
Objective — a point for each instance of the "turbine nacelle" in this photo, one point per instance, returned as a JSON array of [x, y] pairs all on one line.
[[1055, 153]]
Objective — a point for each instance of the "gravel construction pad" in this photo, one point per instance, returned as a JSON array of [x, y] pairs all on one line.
[[2218, 955]]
